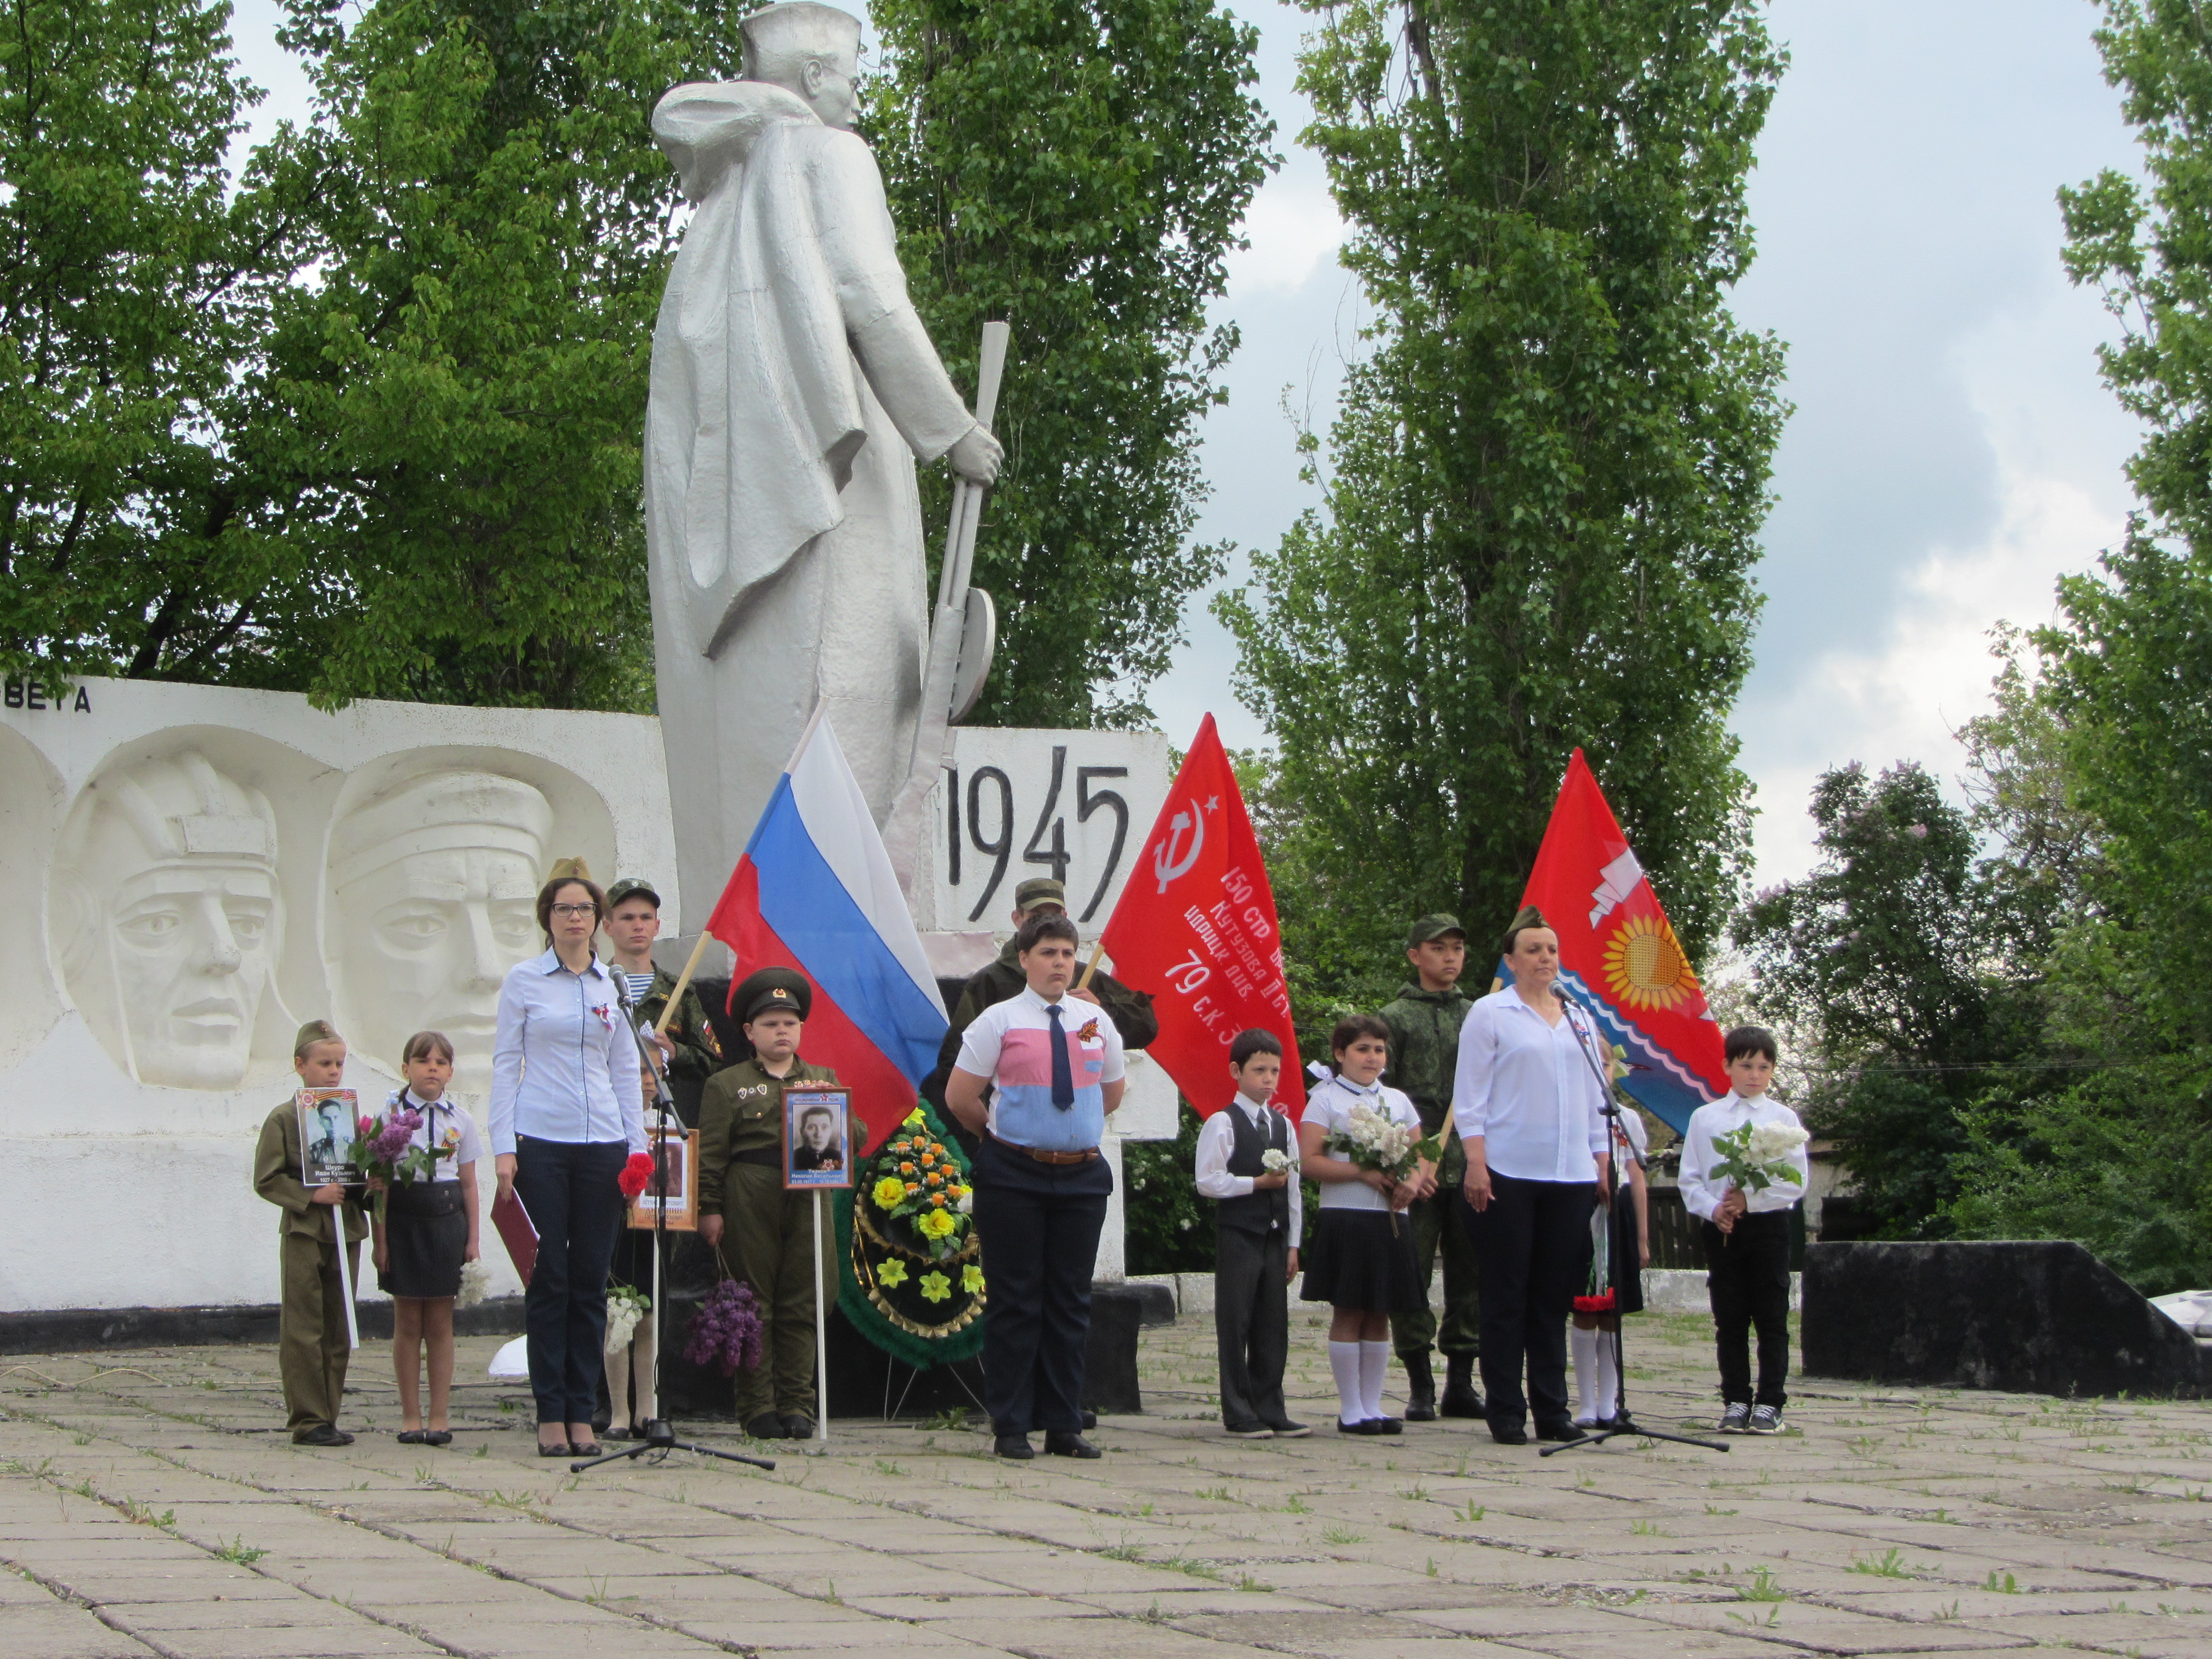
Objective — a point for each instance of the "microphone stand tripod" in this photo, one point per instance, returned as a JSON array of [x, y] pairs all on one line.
[[660, 1432], [1617, 1138]]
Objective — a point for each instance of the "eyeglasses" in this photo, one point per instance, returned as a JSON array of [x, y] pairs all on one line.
[[575, 909]]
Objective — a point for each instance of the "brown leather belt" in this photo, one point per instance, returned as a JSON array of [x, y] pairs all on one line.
[[1083, 1157]]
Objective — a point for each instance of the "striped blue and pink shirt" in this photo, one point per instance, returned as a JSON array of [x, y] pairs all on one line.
[[1011, 1044]]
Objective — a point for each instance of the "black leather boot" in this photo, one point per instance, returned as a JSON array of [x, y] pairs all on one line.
[[1421, 1388], [1461, 1398]]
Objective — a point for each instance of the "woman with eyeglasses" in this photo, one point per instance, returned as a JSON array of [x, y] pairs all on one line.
[[566, 1115]]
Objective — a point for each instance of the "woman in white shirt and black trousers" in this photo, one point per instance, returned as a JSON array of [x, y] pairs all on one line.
[[1530, 1108], [566, 1116]]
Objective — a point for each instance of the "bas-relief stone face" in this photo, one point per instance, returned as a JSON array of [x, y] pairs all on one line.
[[168, 916], [434, 885]]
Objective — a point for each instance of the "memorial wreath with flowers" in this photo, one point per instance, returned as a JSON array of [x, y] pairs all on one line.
[[912, 1258]]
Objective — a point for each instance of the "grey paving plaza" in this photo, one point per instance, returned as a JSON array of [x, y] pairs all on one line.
[[152, 1504]]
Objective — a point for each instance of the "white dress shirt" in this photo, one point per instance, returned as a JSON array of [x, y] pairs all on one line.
[[1701, 1190], [1217, 1138], [441, 1119], [1529, 1090], [1331, 1104], [563, 1062]]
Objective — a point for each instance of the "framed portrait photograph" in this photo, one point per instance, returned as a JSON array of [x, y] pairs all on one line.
[[682, 1200], [817, 1139], [327, 1120]]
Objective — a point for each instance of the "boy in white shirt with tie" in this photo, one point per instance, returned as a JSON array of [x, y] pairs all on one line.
[[1746, 1237], [1259, 1219]]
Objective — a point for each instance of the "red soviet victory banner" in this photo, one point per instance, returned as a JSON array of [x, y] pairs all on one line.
[[1195, 926]]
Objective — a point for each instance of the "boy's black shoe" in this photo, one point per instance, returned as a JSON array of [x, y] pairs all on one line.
[[1765, 1419], [1736, 1420], [1420, 1389], [1062, 1442], [1016, 1446], [1508, 1434], [1090, 1417], [323, 1434], [1562, 1429], [1248, 1432], [767, 1426], [1461, 1397], [1288, 1430], [797, 1425]]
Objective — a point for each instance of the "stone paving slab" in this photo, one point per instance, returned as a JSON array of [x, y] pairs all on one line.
[[150, 1505]]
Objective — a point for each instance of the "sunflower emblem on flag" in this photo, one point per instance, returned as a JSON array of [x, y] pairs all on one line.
[[1645, 965]]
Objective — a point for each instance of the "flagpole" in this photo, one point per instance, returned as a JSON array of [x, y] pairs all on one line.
[[1090, 967]]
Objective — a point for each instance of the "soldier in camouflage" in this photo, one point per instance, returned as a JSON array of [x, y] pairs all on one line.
[[1425, 1022]]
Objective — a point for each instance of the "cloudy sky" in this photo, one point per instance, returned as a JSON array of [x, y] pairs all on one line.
[[1952, 454]]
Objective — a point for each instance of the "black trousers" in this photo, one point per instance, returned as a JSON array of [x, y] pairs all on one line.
[[570, 1189], [1747, 1276], [1038, 1224], [1251, 1324], [1531, 1243]]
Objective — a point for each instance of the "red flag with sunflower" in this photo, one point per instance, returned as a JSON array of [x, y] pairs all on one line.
[[1619, 955]]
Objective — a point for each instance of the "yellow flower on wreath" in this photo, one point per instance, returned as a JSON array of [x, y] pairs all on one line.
[[935, 1286], [914, 1119], [937, 1224], [889, 1193], [893, 1272], [971, 1278]]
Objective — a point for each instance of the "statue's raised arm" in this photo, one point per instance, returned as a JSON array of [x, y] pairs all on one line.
[[793, 389]]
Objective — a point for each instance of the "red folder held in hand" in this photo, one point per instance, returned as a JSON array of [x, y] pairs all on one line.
[[514, 1226]]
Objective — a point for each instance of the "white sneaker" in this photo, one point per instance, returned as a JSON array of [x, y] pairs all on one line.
[[1736, 1420]]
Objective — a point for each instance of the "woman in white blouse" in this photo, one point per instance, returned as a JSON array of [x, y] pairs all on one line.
[[565, 1115], [1529, 1108]]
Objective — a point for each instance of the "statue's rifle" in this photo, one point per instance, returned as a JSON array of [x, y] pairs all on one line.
[[962, 636]]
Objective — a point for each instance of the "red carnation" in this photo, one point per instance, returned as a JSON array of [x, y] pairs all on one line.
[[635, 1173]]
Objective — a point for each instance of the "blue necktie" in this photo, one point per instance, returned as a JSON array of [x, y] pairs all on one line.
[[1063, 1074]]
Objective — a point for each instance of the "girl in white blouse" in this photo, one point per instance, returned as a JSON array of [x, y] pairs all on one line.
[[1361, 1260]]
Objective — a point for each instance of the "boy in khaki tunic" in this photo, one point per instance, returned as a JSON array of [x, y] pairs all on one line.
[[766, 1234], [312, 1348]]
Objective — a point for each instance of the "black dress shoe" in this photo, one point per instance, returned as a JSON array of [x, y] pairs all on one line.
[[1288, 1430], [1365, 1426], [797, 1425], [1461, 1397], [1562, 1429], [1090, 1419], [437, 1436], [323, 1434], [411, 1436], [767, 1426], [1508, 1434], [1060, 1443], [1014, 1446], [1390, 1424]]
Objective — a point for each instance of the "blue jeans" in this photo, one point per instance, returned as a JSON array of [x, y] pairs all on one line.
[[571, 1190]]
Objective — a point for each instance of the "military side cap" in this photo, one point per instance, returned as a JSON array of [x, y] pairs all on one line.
[[1039, 889], [630, 887], [772, 988], [1435, 925]]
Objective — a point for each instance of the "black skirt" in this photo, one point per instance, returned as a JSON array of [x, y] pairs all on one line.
[[1625, 1269], [426, 1234], [1359, 1260]]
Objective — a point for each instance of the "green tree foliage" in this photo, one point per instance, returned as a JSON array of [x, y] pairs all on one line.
[[1880, 960], [1547, 475], [454, 404], [126, 292], [1079, 168]]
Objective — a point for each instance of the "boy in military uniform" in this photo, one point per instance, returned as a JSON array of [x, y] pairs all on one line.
[[766, 1234], [688, 1048], [312, 1349], [1003, 979], [1425, 1022]]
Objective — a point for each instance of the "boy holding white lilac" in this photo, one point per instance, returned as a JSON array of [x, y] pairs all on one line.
[[1247, 1165], [1744, 1168]]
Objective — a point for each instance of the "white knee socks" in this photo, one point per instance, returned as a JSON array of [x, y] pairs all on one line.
[[1344, 1361], [1608, 1378], [1585, 1343], [1374, 1365]]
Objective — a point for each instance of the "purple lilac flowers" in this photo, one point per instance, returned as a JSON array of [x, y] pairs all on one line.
[[391, 1142], [725, 1332]]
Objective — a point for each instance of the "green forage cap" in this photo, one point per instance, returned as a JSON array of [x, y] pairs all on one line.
[[1435, 925], [772, 988], [632, 887], [1039, 889]]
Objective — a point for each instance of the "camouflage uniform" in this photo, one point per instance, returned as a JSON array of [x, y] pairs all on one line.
[[698, 1051], [1425, 1028]]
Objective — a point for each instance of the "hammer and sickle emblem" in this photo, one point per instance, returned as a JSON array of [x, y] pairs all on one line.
[[1166, 865]]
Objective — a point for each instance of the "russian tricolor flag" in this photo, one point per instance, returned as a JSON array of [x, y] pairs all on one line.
[[815, 891]]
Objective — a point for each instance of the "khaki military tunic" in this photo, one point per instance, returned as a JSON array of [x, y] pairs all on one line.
[[311, 1346]]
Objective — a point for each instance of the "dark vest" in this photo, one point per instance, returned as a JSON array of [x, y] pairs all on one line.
[[1255, 1212]]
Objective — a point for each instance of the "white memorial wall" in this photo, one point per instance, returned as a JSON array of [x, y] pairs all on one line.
[[194, 870]]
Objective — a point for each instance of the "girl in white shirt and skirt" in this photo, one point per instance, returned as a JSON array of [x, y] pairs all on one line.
[[1361, 1259]]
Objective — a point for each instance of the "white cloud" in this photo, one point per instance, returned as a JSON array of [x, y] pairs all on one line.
[[1292, 226]]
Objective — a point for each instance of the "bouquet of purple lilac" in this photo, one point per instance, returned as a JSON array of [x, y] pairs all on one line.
[[383, 1147], [725, 1332]]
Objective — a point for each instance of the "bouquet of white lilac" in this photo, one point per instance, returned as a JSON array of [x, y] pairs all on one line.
[[1376, 1142], [1754, 1157], [1275, 1162], [476, 1280]]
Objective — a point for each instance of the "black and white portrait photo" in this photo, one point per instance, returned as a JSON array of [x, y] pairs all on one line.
[[816, 1136]]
